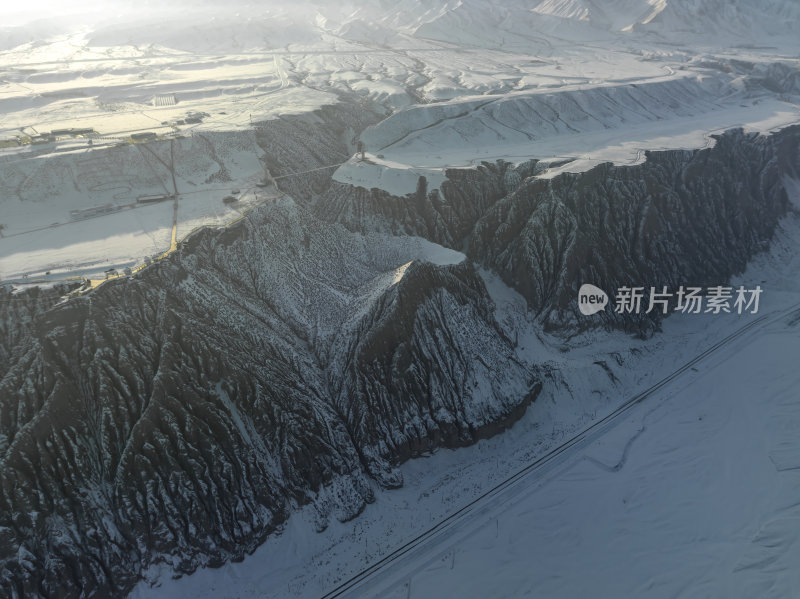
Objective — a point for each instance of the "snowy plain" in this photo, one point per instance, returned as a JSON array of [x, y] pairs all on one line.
[[463, 82]]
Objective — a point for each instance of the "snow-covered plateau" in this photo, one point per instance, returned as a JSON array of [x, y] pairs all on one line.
[[464, 82], [289, 299]]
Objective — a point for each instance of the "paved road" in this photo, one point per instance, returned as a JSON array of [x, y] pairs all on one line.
[[396, 568]]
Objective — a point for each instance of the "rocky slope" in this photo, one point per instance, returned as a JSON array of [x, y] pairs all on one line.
[[445, 216], [679, 218], [18, 315], [180, 415], [313, 144]]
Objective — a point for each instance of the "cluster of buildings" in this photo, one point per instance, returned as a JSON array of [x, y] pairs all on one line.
[[60, 133], [191, 118]]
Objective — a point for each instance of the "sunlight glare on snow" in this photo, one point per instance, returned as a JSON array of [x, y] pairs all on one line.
[[398, 274]]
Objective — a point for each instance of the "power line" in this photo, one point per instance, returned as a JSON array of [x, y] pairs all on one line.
[[321, 168]]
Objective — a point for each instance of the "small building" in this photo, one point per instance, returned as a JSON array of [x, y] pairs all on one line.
[[144, 136], [42, 139], [72, 131], [94, 211], [154, 198]]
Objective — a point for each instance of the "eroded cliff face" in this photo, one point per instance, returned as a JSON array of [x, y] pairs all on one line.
[[430, 362], [680, 218], [314, 144], [299, 356], [18, 315], [179, 416], [445, 215]]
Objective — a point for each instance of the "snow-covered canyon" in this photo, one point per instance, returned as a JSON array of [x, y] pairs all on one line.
[[238, 358]]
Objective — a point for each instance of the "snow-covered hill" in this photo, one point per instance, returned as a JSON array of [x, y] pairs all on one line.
[[704, 468]]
